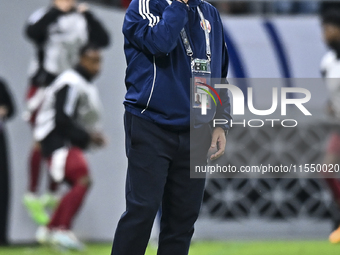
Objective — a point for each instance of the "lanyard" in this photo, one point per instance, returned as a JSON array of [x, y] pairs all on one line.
[[206, 33]]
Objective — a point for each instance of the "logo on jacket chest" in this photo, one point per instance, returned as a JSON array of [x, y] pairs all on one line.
[[207, 24]]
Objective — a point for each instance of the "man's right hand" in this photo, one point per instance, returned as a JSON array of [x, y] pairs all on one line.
[[98, 139], [64, 5], [183, 1]]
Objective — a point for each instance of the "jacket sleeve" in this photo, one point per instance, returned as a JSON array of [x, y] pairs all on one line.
[[38, 23], [152, 31], [223, 111], [67, 99], [6, 99], [98, 35]]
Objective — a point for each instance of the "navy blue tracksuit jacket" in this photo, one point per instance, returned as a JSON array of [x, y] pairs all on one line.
[[159, 72]]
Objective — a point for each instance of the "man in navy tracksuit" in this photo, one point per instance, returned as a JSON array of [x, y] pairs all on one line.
[[159, 117]]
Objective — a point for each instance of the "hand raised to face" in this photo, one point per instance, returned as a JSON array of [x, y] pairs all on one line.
[[65, 5]]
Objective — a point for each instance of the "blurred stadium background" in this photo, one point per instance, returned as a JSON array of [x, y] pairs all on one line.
[[266, 39]]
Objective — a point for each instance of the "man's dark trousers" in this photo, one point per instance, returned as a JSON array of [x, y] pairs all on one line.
[[158, 175]]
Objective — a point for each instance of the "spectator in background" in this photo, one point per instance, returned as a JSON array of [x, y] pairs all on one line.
[[6, 112], [58, 33], [329, 5], [296, 7], [235, 8], [309, 7]]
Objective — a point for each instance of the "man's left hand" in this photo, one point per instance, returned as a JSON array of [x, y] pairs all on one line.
[[218, 142]]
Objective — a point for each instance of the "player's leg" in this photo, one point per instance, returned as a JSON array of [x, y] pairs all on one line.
[[77, 175], [332, 157], [149, 150], [34, 167], [51, 199], [34, 98], [31, 200], [183, 197]]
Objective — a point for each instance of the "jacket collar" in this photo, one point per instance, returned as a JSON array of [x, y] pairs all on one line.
[[72, 10], [84, 73], [192, 3]]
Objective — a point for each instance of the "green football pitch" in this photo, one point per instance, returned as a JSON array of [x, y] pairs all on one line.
[[201, 248]]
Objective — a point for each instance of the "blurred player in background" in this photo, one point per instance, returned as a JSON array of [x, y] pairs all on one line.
[[58, 33], [67, 123], [6, 112], [330, 68]]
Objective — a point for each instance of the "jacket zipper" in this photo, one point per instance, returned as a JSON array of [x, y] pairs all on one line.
[[153, 84]]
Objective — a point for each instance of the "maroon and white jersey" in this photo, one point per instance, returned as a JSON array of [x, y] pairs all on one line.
[[71, 110]]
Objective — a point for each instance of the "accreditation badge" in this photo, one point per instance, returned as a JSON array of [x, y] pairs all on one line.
[[201, 75]]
